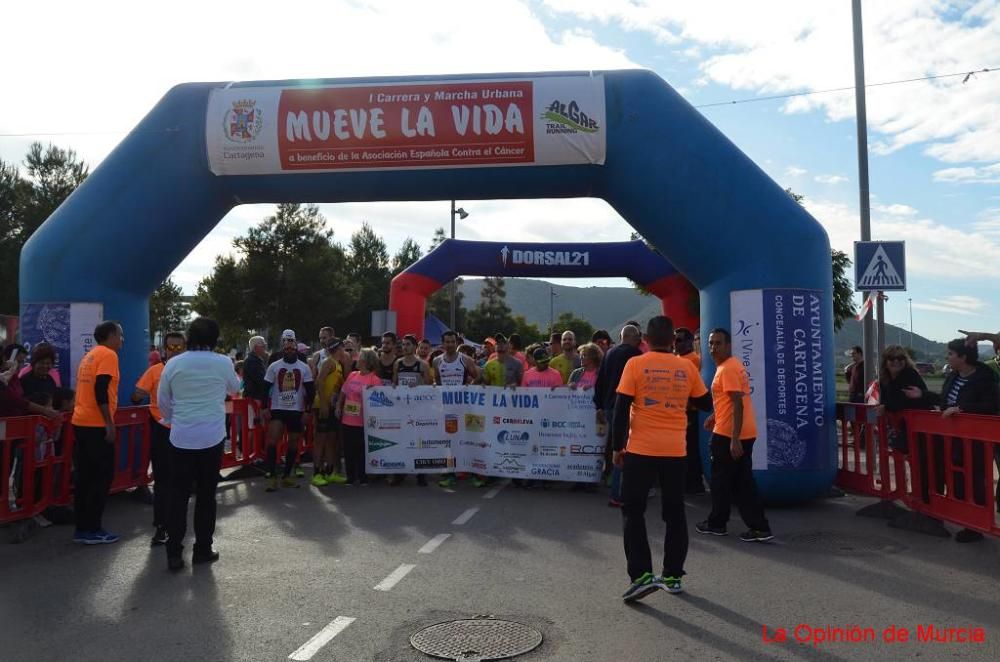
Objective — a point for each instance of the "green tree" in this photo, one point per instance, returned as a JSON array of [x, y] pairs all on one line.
[[407, 254], [368, 262], [843, 291], [581, 328], [492, 314], [167, 310], [529, 332], [289, 273], [439, 303], [51, 174]]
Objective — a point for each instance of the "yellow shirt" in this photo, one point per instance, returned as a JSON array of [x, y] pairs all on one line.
[[330, 386]]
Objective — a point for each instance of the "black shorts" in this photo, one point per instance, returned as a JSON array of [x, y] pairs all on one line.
[[292, 420], [329, 424]]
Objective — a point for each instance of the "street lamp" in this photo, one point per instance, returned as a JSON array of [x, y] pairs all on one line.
[[552, 309], [911, 322], [462, 214]]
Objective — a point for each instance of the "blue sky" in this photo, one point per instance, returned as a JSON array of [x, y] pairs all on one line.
[[934, 146]]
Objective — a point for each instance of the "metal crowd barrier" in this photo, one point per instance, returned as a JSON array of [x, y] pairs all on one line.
[[940, 467]]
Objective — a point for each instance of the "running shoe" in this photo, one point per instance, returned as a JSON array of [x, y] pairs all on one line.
[[289, 481], [335, 478], [159, 538], [82, 537], [671, 584], [319, 480], [709, 530], [102, 537], [641, 587], [755, 535], [479, 482], [299, 473], [614, 503], [272, 484], [447, 481]]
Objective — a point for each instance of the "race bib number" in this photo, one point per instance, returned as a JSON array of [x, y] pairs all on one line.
[[352, 408]]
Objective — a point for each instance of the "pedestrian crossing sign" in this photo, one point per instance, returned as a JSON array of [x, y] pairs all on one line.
[[879, 265]]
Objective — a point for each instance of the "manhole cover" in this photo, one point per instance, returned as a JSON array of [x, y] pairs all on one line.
[[842, 544], [476, 639]]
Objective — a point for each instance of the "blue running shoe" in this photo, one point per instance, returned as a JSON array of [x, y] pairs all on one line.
[[82, 537], [102, 537]]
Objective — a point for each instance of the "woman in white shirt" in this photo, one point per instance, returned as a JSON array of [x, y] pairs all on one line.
[[192, 400]]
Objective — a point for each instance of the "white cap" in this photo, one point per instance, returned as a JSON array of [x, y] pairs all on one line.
[[288, 334]]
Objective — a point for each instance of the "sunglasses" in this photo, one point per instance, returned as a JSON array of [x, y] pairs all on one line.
[[175, 348]]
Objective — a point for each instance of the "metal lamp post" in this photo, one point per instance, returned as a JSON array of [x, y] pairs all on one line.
[[462, 214]]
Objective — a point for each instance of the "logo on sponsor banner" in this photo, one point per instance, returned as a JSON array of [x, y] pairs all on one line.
[[422, 422], [475, 444], [475, 423], [513, 438], [581, 467], [243, 122], [544, 470], [512, 421], [419, 397], [380, 399], [384, 423], [476, 463], [377, 443], [434, 463], [431, 443], [510, 464], [562, 425], [504, 253], [586, 449], [565, 117], [386, 464], [546, 450]]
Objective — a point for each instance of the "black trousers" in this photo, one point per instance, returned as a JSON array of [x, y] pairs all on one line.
[[95, 468], [640, 473], [159, 457], [354, 452], [199, 468], [694, 481], [733, 480]]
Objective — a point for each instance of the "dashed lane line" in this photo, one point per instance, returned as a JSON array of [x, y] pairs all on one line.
[[321, 638], [394, 577], [433, 543], [466, 516]]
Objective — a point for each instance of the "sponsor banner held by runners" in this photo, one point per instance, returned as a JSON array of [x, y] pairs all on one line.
[[518, 433], [557, 120]]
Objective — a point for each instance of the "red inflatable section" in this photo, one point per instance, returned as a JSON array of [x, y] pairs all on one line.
[[408, 297], [679, 299]]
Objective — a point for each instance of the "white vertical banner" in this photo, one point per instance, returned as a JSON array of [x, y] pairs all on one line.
[[520, 433], [747, 328], [83, 319]]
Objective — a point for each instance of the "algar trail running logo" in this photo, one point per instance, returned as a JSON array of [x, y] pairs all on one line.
[[568, 118]]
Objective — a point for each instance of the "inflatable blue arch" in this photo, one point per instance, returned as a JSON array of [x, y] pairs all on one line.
[[454, 257], [761, 263]]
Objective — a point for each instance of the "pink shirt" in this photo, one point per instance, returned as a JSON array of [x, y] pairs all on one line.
[[354, 397], [587, 379], [548, 377]]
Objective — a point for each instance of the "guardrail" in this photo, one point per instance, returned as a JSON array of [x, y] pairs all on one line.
[[936, 466]]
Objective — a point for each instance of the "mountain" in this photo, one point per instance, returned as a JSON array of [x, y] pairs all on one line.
[[610, 307]]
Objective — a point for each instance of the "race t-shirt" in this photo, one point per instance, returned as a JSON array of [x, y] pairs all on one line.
[[451, 373], [660, 385], [583, 378], [499, 372], [693, 358], [409, 375], [564, 365], [542, 378], [354, 396], [150, 383], [288, 392], [99, 361], [732, 377]]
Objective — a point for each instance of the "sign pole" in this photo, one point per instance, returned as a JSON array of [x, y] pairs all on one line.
[[880, 308], [868, 327]]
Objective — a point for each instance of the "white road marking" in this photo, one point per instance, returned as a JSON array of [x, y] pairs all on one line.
[[466, 516], [395, 577], [495, 491], [433, 543], [322, 638]]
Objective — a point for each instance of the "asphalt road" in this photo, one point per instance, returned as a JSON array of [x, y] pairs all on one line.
[[358, 570]]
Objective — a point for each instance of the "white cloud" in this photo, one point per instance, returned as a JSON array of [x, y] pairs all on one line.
[[795, 46], [955, 304], [969, 175], [830, 179], [896, 210], [795, 171]]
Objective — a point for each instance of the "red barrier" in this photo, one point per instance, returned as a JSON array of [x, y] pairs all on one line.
[[34, 476], [947, 471], [132, 424]]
